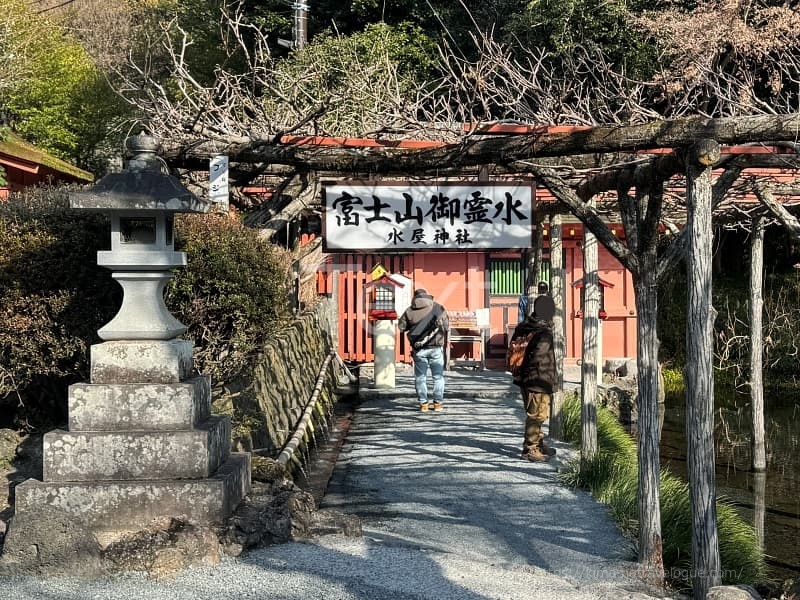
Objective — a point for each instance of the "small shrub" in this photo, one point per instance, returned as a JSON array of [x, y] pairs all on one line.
[[674, 385], [233, 294], [53, 298]]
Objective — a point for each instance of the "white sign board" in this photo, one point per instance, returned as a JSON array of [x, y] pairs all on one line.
[[402, 293], [427, 217], [218, 179]]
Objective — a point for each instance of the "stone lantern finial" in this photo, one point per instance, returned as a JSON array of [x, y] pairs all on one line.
[[143, 149]]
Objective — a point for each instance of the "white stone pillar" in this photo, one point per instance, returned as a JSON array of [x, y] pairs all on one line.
[[383, 331]]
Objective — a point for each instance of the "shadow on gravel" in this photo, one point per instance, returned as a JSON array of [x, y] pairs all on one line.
[[384, 573], [453, 482]]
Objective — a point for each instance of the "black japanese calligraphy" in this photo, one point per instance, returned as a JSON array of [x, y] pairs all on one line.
[[346, 203]]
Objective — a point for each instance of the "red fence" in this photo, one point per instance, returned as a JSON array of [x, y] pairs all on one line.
[[345, 276]]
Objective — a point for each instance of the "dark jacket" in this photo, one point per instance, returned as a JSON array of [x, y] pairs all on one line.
[[538, 369], [421, 317]]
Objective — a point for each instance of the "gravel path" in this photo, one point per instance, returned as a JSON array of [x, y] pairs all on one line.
[[448, 510]]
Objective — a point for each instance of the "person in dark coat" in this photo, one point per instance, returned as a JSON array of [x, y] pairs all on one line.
[[538, 378], [425, 323]]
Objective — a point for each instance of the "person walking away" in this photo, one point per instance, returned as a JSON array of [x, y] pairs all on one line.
[[542, 289], [537, 376], [425, 323]]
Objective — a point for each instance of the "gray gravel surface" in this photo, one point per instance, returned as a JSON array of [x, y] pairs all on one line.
[[448, 509]]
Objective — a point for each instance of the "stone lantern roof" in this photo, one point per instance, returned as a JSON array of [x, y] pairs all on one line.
[[142, 186]]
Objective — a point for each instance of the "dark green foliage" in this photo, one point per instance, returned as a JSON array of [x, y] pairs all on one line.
[[562, 25], [434, 21], [233, 295], [54, 298], [612, 478], [436, 18], [781, 318]]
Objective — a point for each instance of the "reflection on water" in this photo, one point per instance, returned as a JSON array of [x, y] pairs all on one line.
[[771, 501]]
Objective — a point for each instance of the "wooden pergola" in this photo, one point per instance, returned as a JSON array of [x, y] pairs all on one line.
[[656, 175]]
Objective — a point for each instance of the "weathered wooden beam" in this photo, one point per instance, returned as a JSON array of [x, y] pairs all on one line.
[[677, 249], [756, 382], [590, 355], [587, 214], [499, 150], [557, 291], [764, 192]]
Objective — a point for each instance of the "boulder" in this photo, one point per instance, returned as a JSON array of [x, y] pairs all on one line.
[[732, 592], [165, 547], [273, 513], [46, 541]]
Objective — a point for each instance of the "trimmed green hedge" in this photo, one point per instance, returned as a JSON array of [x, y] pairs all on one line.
[[233, 295]]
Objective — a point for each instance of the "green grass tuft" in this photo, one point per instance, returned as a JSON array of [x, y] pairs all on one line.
[[612, 478]]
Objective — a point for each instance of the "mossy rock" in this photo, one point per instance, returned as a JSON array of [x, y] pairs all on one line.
[[267, 470]]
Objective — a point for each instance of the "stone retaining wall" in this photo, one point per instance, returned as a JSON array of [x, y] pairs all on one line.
[[267, 403]]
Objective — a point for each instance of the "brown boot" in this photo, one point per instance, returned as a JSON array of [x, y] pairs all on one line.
[[547, 450], [533, 454]]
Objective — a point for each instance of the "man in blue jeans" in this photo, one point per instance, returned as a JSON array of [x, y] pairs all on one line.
[[425, 323]]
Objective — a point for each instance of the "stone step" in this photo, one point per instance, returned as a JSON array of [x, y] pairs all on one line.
[[131, 505], [139, 406], [134, 455], [146, 361]]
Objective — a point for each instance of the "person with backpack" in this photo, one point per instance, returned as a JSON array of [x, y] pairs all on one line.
[[425, 323], [532, 363]]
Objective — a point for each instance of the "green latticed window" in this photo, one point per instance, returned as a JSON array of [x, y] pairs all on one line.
[[507, 276]]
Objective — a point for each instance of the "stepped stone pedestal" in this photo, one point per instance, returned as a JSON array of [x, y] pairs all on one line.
[[141, 444]]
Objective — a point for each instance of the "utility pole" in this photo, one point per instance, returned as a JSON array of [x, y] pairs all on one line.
[[299, 29]]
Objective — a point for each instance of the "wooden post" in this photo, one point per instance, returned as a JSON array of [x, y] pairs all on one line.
[[706, 568], [649, 509], [645, 282], [759, 505], [557, 292], [759, 458], [335, 283], [591, 309]]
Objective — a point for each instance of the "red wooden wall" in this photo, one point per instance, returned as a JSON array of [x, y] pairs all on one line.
[[459, 282]]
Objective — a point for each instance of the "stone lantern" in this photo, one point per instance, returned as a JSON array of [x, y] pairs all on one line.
[[141, 202], [141, 443]]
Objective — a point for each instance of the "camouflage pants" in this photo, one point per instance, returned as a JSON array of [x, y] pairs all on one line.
[[537, 411]]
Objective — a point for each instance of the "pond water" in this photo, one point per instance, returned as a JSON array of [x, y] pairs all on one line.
[[771, 501]]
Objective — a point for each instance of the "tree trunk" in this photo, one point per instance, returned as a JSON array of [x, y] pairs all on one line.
[[765, 195], [296, 195], [649, 496], [756, 383], [706, 568], [591, 308], [557, 291], [534, 265], [641, 220]]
